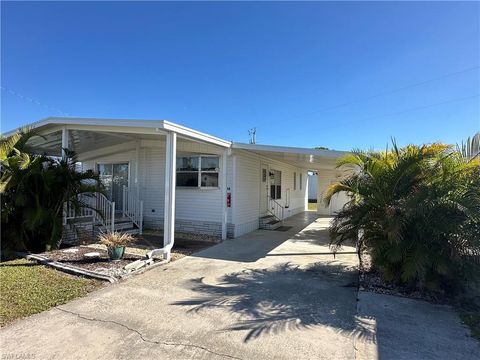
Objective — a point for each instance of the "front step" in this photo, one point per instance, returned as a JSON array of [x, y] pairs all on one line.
[[272, 225], [265, 219], [122, 226], [269, 222]]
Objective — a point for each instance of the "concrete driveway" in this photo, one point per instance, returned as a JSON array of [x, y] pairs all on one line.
[[267, 295], [261, 296]]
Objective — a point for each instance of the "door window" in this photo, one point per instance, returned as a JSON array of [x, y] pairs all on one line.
[[114, 177], [275, 184]]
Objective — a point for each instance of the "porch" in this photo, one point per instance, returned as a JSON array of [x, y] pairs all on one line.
[[137, 163]]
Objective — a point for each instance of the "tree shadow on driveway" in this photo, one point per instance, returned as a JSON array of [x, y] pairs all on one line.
[[282, 298]]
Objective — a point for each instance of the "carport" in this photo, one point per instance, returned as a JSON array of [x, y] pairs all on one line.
[[322, 162]]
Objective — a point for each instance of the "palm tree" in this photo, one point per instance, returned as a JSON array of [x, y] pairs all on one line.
[[34, 189], [417, 210], [471, 147]]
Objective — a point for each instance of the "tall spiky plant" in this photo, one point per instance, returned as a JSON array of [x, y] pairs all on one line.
[[34, 190], [416, 209]]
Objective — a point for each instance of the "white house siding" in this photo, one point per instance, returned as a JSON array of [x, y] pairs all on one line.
[[230, 190], [200, 210], [247, 190], [325, 178], [197, 210], [123, 155]]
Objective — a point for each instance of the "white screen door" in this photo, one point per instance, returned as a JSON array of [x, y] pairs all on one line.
[[264, 188], [114, 177]]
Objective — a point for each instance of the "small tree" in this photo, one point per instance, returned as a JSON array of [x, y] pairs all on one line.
[[34, 190], [417, 210]]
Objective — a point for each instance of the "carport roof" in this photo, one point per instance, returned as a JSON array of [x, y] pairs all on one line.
[[127, 126], [310, 159], [100, 130]]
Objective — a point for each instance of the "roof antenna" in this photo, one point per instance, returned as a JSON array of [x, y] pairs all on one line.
[[253, 135]]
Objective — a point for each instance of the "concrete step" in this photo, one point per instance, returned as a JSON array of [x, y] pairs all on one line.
[[272, 225], [122, 227], [266, 219], [134, 231]]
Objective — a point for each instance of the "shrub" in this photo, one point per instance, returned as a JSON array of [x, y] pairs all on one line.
[[417, 211], [114, 239], [34, 189]]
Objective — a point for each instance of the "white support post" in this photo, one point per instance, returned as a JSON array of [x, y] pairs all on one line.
[[64, 142], [170, 183], [234, 192], [224, 194], [140, 227], [124, 202], [137, 160], [306, 193], [113, 217]]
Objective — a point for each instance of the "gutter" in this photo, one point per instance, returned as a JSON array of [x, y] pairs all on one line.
[[164, 252]]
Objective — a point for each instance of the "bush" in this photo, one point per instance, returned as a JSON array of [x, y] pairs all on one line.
[[34, 189], [417, 211], [115, 239]]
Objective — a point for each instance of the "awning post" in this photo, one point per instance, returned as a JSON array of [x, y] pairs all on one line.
[[170, 183]]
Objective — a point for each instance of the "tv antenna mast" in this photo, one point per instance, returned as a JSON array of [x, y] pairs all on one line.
[[253, 135]]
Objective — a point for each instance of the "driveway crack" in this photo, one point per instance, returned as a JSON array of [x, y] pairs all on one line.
[[144, 339]]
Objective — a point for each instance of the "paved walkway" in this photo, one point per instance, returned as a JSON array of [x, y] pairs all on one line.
[[266, 295]]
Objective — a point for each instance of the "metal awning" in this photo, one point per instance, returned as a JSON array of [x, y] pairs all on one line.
[[308, 159]]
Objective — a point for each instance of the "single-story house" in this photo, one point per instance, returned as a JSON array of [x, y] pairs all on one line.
[[162, 175]]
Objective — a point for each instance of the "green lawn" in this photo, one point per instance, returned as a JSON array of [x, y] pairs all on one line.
[[312, 206], [27, 288]]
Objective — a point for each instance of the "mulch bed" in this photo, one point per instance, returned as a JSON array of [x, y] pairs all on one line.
[[371, 280], [101, 264], [75, 256]]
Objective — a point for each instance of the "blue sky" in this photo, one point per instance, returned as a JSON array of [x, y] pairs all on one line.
[[341, 75]]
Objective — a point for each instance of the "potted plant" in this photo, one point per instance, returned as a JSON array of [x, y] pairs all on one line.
[[115, 243]]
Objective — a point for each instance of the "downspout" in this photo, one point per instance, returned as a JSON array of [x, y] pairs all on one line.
[[164, 252], [169, 207]]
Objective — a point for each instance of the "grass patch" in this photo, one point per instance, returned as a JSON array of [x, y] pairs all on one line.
[[27, 288], [312, 206]]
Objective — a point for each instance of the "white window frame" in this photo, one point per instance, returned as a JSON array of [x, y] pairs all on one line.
[[277, 175], [199, 171], [301, 181], [106, 162]]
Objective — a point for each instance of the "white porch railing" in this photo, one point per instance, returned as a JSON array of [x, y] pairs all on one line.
[[276, 209], [104, 212], [70, 213], [133, 206]]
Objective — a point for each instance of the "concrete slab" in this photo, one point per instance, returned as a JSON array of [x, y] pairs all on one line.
[[408, 329], [267, 295]]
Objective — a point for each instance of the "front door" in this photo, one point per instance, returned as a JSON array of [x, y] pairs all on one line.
[[264, 188], [114, 177]]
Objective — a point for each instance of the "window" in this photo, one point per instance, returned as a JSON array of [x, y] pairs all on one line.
[[276, 184], [294, 181], [114, 176], [301, 181], [197, 171], [264, 175]]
